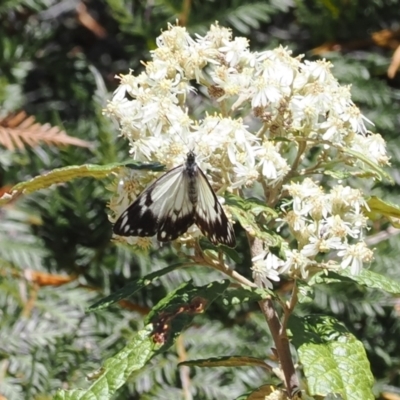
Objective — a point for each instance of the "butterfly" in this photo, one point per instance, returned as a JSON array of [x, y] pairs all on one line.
[[173, 203]]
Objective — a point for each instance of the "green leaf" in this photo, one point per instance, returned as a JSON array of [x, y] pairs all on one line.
[[373, 280], [260, 393], [378, 207], [164, 324], [184, 296], [338, 174], [249, 212], [65, 174], [367, 278], [131, 288], [245, 294], [251, 204], [375, 169], [117, 369], [329, 278], [305, 291], [334, 361], [177, 310], [229, 251], [229, 361]]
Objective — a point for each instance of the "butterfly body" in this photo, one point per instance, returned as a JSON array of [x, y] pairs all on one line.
[[192, 172], [174, 202]]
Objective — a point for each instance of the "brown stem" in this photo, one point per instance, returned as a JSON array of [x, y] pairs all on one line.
[[278, 332], [184, 370], [296, 162], [289, 308]]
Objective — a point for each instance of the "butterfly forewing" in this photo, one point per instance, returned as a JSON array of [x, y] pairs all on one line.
[[177, 213], [210, 216], [154, 206], [175, 201]]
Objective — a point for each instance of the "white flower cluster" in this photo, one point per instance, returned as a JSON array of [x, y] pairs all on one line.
[[320, 223], [289, 105]]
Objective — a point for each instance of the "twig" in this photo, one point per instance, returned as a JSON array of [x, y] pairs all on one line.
[[203, 259], [381, 236]]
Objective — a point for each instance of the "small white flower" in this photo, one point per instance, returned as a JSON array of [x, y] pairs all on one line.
[[234, 50], [320, 245], [319, 71], [273, 166], [350, 225], [244, 175], [296, 264], [355, 256], [346, 199], [373, 147], [296, 222], [301, 193], [266, 266], [216, 36]]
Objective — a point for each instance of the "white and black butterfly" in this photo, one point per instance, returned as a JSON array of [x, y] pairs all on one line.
[[174, 202]]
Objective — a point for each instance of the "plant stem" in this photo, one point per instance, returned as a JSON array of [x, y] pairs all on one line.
[[278, 332]]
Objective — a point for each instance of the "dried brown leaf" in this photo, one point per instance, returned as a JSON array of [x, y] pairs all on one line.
[[46, 279], [89, 22], [18, 130], [395, 64]]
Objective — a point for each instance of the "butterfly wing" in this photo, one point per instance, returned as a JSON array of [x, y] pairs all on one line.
[[177, 211], [163, 208], [210, 216]]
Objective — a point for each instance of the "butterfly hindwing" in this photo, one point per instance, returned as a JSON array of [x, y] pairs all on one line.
[[210, 216]]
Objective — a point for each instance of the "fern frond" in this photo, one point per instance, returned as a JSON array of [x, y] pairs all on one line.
[[248, 16], [18, 130], [18, 245]]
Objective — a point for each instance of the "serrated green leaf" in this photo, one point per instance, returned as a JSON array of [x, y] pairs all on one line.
[[177, 310], [247, 210], [330, 277], [366, 278], [165, 323], [73, 394], [185, 293], [229, 361], [245, 294], [373, 280], [251, 204], [305, 292], [334, 361], [65, 174], [117, 369], [131, 288]]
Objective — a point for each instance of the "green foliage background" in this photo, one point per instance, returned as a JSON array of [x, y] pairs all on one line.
[[58, 70]]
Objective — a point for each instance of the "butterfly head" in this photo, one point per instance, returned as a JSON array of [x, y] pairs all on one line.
[[190, 159]]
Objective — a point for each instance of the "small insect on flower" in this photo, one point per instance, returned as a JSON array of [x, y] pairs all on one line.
[[173, 203]]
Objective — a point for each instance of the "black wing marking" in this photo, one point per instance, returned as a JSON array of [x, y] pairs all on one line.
[[163, 208], [210, 216]]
